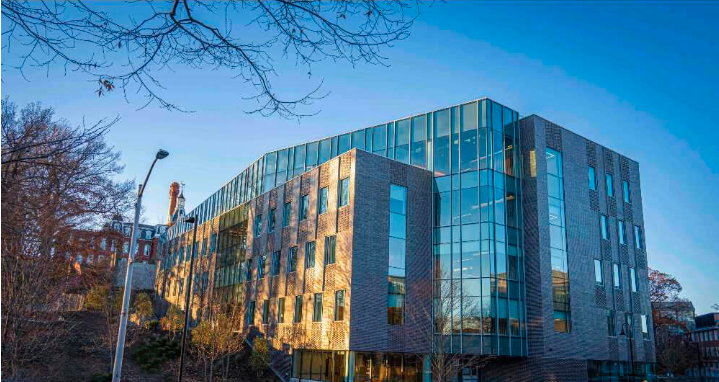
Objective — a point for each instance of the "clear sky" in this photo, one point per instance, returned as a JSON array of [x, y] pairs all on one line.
[[639, 78]]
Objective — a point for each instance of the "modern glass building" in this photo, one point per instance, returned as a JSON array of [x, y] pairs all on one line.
[[477, 246]]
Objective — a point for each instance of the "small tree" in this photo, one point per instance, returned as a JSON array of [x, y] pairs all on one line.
[[260, 357], [143, 307], [173, 321], [103, 299], [216, 337], [675, 354]]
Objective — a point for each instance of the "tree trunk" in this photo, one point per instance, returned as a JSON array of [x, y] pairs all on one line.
[[212, 369]]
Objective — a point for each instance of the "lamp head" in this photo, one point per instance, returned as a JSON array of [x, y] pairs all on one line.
[[190, 219], [622, 333], [161, 154]]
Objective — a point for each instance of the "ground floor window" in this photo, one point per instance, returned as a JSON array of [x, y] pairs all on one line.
[[384, 367], [616, 371], [315, 365]]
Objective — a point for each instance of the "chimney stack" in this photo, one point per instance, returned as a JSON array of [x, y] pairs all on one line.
[[174, 192]]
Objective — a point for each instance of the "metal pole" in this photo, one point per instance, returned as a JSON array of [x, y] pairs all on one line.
[[187, 296], [631, 351], [119, 350]]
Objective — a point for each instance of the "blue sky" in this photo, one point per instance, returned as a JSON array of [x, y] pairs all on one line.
[[639, 78]]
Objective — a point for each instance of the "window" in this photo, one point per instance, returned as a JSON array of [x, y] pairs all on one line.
[[339, 305], [271, 221], [292, 260], [633, 279], [610, 185], [622, 233], [397, 254], [298, 309], [605, 229], [610, 323], [317, 308], [344, 192], [146, 250], [281, 310], [103, 243], [598, 276], [557, 242], [258, 225], [275, 263], [261, 267], [250, 318], [304, 207], [287, 215], [330, 248], [310, 254], [248, 276], [592, 179], [322, 202], [638, 237], [125, 247], [265, 311], [625, 191], [617, 276]]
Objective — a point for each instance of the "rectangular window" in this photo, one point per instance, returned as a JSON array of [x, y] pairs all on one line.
[[317, 308], [265, 311], [258, 225], [304, 207], [592, 178], [271, 221], [261, 267], [322, 201], [610, 185], [617, 276], [287, 215], [633, 278], [330, 248], [248, 276], [281, 310], [625, 191], [397, 254], [610, 323], [310, 254], [250, 318], [622, 232], [605, 228], [638, 237], [275, 263], [339, 305], [557, 242], [298, 309], [598, 275], [645, 326], [292, 260], [344, 192]]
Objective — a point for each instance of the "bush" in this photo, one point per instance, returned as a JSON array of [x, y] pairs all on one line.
[[102, 377], [150, 356], [152, 325]]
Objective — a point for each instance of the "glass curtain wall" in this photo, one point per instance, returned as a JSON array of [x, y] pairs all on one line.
[[477, 219], [557, 241]]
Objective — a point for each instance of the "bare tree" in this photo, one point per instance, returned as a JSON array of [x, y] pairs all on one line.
[[127, 47], [449, 310], [55, 178], [216, 337]]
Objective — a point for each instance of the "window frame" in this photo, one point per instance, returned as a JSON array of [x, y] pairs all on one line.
[[342, 199], [609, 180], [297, 313], [339, 313], [322, 200], [317, 307], [330, 257], [592, 174], [598, 272], [626, 192]]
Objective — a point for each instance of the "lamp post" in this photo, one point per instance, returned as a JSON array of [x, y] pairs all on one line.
[[120, 349], [630, 335], [193, 220]]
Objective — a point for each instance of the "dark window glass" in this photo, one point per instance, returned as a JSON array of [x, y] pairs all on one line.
[[625, 191], [617, 276], [298, 309], [344, 192], [322, 201], [622, 232], [638, 237], [258, 225], [281, 310], [330, 248], [275, 263], [261, 267], [344, 144], [265, 311], [271, 221], [610, 185], [339, 305], [310, 254], [304, 207], [443, 212], [592, 178], [250, 318], [287, 215], [317, 308], [292, 260], [604, 227], [610, 323]]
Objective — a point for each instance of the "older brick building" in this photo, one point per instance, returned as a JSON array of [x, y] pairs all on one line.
[[336, 251]]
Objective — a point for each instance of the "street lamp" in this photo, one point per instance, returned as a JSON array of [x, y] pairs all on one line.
[[117, 365], [193, 220], [630, 335]]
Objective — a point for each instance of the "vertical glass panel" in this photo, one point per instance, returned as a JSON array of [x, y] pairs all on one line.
[[470, 205], [443, 214], [469, 116], [598, 274], [419, 141], [311, 158], [498, 147], [325, 150], [379, 138], [468, 150], [625, 191], [592, 178], [300, 157], [358, 140], [270, 163], [496, 116], [610, 185], [402, 132], [343, 144]]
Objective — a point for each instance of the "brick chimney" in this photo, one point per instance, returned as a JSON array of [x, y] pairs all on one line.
[[174, 192]]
